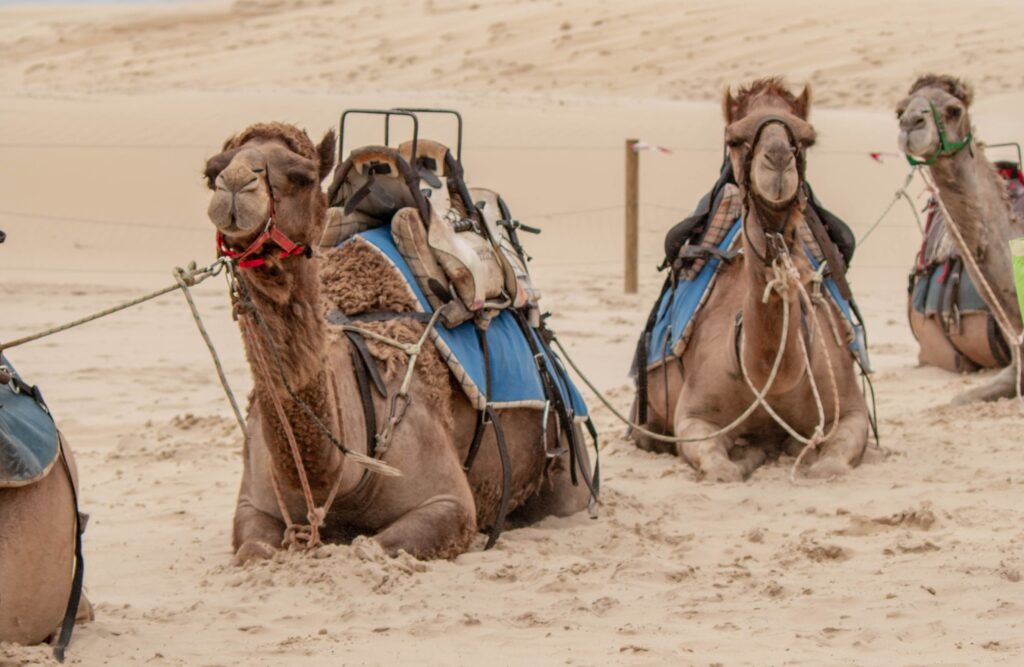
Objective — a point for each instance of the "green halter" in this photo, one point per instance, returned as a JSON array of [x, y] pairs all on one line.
[[947, 148]]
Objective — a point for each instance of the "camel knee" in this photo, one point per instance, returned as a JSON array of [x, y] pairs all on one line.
[[440, 527], [255, 532]]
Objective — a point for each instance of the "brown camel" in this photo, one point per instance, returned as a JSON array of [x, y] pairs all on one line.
[[935, 127], [767, 134], [272, 172], [37, 554]]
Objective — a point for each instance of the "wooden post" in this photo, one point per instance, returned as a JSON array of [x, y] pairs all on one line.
[[632, 215]]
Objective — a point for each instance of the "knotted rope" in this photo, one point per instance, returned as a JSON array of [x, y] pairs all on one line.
[[784, 273]]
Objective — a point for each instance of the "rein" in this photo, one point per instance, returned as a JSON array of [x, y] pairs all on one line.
[[947, 148], [264, 353]]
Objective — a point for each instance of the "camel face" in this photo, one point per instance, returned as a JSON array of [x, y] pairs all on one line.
[[767, 132], [766, 146], [774, 177], [257, 178], [919, 135]]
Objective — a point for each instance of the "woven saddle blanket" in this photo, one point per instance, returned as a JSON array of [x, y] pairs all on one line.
[[680, 303], [515, 380]]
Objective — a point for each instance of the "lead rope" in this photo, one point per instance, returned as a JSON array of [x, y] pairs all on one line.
[[1004, 320], [784, 272]]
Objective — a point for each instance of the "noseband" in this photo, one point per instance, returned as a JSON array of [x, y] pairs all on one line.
[[776, 244], [947, 148], [254, 255]]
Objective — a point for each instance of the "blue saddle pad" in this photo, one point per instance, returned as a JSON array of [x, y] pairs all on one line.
[[515, 380], [29, 443], [680, 303]]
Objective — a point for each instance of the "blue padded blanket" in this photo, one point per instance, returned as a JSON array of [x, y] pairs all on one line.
[[29, 444], [679, 304], [515, 381]]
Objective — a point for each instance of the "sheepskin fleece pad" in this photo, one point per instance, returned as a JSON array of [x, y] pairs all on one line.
[[367, 273]]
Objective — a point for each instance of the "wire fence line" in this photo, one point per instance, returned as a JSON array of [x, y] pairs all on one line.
[[97, 221], [681, 149]]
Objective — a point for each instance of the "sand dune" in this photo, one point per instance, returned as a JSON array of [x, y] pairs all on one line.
[[106, 115]]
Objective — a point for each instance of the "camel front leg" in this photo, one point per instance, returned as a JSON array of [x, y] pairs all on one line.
[[439, 527], [709, 457], [257, 535], [1000, 386], [844, 449]]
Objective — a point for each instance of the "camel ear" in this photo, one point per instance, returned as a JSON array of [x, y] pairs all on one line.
[[803, 103], [729, 106], [326, 152]]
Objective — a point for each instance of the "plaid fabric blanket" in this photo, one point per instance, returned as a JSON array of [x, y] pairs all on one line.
[[721, 224]]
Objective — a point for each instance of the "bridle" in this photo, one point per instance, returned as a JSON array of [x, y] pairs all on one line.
[[254, 255], [775, 241], [947, 148]]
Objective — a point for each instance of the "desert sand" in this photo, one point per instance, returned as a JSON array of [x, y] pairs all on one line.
[[106, 116]]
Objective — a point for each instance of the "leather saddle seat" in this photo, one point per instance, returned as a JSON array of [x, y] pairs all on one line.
[[457, 251]]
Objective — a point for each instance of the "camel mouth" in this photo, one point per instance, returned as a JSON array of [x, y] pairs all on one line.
[[919, 142]]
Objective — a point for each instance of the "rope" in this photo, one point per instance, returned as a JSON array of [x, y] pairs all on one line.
[[180, 276], [191, 278], [758, 396], [785, 272], [1004, 320], [413, 352], [899, 194]]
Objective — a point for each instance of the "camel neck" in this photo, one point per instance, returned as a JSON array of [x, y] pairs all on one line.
[[293, 334], [763, 320], [975, 196]]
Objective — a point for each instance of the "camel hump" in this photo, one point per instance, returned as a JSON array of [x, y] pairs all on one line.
[[29, 444]]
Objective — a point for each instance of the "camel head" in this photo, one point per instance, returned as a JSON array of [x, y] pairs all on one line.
[[933, 118], [767, 134], [269, 170]]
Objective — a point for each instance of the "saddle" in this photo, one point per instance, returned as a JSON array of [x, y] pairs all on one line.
[[940, 287], [833, 239], [29, 443], [460, 244]]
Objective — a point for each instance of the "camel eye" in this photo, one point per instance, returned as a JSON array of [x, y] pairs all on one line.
[[299, 179], [954, 111]]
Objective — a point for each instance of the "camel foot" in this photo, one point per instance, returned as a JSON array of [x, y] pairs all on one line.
[[252, 551], [1000, 386], [829, 467], [86, 613], [649, 444], [721, 471]]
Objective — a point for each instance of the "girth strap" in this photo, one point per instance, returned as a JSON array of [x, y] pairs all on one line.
[[67, 626], [361, 352]]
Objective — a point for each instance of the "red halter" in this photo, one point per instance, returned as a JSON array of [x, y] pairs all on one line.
[[247, 258]]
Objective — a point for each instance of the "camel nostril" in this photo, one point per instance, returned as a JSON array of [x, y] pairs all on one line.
[[912, 122]]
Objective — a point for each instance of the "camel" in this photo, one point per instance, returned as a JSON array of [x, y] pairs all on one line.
[[741, 324], [37, 553], [269, 176], [936, 129]]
